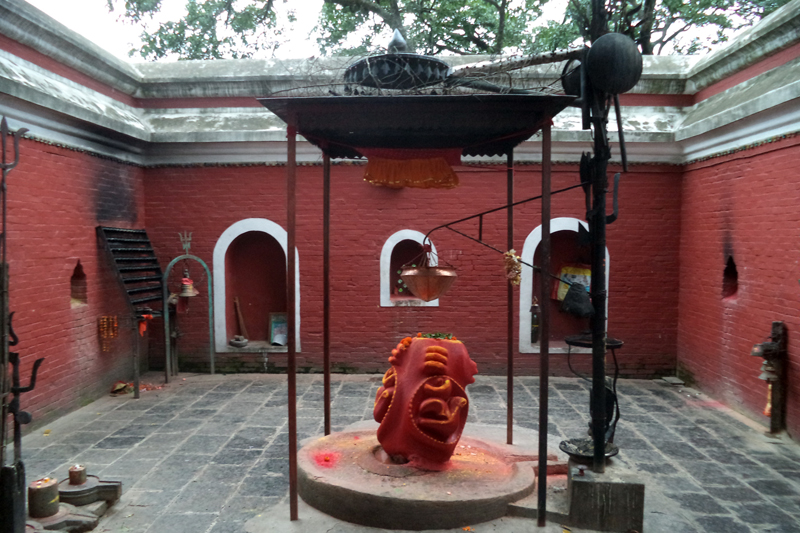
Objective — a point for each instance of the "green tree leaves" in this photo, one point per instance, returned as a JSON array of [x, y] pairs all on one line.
[[212, 29], [429, 26]]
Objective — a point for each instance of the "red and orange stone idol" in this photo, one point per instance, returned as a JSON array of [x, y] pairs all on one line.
[[422, 406]]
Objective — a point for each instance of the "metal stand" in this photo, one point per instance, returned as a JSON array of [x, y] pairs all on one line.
[[171, 359], [12, 476]]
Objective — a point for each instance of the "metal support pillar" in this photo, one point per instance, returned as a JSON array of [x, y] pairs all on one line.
[[326, 286], [597, 227], [510, 309], [544, 327], [291, 283], [136, 346]]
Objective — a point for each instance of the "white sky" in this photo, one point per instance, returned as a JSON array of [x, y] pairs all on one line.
[[91, 19]]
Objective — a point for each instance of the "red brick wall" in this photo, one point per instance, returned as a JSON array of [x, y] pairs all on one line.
[[642, 244], [56, 197], [746, 205]]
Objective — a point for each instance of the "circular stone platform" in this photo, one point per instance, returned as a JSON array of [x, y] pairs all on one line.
[[343, 476]]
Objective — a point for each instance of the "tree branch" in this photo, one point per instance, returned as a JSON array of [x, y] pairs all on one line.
[[663, 42], [390, 18]]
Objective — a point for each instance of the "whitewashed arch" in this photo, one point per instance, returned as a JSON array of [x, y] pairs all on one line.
[[386, 266], [526, 283], [221, 248]]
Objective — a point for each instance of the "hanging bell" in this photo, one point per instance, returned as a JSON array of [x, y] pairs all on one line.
[[187, 288]]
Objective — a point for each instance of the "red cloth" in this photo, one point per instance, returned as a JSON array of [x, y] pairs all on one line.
[[143, 323], [451, 155]]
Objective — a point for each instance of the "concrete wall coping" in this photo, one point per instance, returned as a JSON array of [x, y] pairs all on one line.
[[67, 112], [27, 25], [779, 30]]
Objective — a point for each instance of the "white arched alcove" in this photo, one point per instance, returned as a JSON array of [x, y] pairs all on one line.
[[386, 266], [526, 283], [228, 236]]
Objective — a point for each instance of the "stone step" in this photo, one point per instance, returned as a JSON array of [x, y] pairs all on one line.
[[557, 500]]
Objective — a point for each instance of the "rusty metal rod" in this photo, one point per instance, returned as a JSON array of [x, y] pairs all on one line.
[[326, 286], [486, 68], [544, 327], [493, 210], [510, 304], [291, 201]]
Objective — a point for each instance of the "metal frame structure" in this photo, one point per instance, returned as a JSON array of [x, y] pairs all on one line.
[[319, 119], [171, 360]]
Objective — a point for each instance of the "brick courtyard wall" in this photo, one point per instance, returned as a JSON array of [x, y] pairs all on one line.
[[56, 198], [207, 200], [746, 206]]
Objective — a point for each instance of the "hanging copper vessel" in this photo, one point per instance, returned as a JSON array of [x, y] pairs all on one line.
[[428, 282]]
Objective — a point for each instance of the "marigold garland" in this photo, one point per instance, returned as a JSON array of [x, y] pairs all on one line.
[[513, 266]]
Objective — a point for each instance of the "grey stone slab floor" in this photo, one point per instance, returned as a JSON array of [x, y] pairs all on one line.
[[206, 454]]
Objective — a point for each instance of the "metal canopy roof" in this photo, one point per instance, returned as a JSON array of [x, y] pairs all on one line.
[[479, 124]]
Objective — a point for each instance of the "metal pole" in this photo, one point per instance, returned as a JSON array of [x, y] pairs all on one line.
[[167, 338], [326, 286], [598, 290], [211, 344], [136, 357], [510, 301], [544, 326], [291, 183], [5, 388]]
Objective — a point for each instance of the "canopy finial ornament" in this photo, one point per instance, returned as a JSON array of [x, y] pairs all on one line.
[[398, 43]]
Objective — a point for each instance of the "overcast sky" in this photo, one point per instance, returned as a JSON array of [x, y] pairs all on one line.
[[91, 19]]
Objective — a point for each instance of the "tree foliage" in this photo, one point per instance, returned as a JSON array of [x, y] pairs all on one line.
[[659, 25], [429, 26], [212, 29]]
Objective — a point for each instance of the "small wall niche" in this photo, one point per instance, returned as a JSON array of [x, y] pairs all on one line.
[[730, 279], [78, 288], [402, 247]]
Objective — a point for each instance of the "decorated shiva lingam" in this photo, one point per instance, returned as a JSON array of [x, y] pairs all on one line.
[[422, 404]]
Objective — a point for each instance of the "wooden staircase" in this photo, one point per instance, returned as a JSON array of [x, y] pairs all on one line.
[[137, 268]]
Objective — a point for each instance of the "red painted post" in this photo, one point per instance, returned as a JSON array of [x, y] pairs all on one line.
[[510, 302], [326, 286], [544, 326], [291, 283]]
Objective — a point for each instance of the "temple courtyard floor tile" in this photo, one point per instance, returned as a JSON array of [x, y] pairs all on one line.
[[209, 454]]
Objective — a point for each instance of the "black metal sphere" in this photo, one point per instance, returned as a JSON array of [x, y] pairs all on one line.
[[614, 63]]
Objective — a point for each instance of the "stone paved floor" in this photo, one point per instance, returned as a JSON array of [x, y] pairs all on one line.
[[208, 453]]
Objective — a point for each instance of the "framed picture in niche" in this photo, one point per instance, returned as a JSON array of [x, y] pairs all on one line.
[[278, 329]]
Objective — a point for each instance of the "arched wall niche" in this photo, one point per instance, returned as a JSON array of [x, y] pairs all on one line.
[[400, 241], [243, 252], [557, 225]]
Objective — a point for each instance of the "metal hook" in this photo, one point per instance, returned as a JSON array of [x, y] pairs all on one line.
[[17, 135]]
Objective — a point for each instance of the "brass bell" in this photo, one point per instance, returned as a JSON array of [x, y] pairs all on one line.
[[187, 288]]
